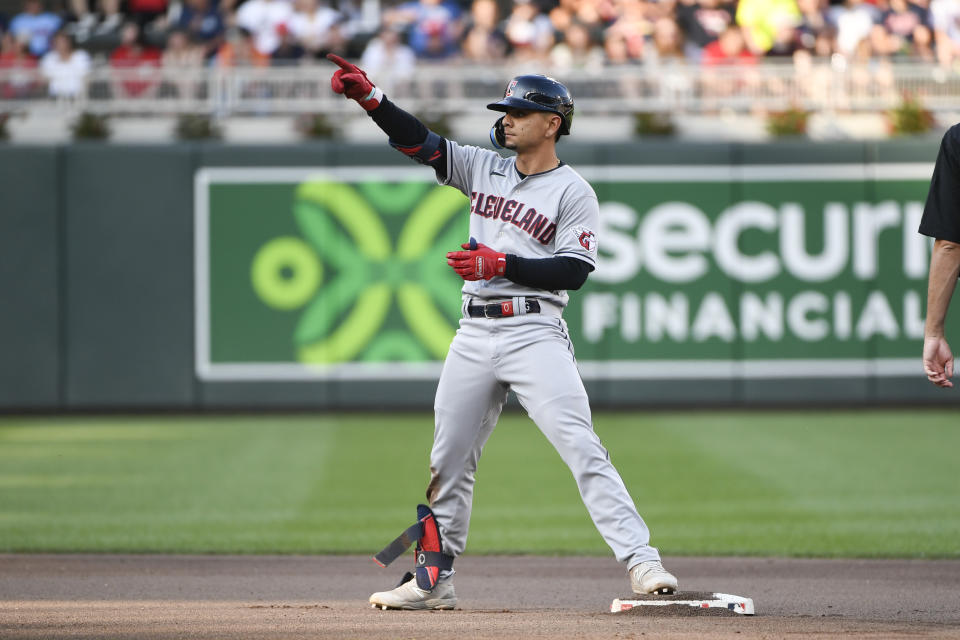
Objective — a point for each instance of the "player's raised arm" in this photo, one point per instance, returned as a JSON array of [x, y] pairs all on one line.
[[407, 134]]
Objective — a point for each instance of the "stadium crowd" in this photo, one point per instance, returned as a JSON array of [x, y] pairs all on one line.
[[64, 38]]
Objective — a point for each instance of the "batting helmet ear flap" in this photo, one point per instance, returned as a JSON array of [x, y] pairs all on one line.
[[497, 137]]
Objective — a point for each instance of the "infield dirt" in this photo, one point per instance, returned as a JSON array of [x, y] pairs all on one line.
[[232, 597]]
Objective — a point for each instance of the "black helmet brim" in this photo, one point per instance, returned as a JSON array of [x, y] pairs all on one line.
[[511, 102]]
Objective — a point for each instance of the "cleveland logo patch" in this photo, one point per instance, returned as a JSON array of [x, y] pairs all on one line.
[[510, 87], [586, 238]]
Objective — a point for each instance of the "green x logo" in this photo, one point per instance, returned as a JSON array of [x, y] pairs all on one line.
[[360, 278]]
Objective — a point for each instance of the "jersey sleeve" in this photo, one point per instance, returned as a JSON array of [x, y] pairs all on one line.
[[462, 162], [577, 223], [941, 214]]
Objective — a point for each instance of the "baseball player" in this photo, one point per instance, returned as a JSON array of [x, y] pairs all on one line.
[[533, 223]]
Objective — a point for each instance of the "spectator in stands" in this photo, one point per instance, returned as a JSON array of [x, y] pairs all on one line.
[[659, 10], [434, 27], [139, 62], [202, 22], [609, 10], [812, 25], [228, 11], [179, 58], [561, 16], [595, 13], [263, 18], [665, 51], [290, 51], [762, 20], [922, 45], [702, 22], [945, 16], [181, 53], [634, 25], [902, 20], [389, 60], [786, 41], [729, 49], [615, 49], [17, 67], [879, 44], [317, 27], [854, 20], [577, 50], [529, 32], [65, 68], [239, 50], [666, 43], [868, 71], [485, 41], [35, 26], [12, 51]]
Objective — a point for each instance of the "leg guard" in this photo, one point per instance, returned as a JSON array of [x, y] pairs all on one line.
[[430, 558]]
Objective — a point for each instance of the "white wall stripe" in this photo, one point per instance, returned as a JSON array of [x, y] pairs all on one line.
[[589, 369]]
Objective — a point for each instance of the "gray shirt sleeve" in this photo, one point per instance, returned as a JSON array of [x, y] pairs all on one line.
[[462, 162], [577, 224], [459, 161]]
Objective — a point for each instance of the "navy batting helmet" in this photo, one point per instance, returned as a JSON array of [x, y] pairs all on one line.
[[538, 93]]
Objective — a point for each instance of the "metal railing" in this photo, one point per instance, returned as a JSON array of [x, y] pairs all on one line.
[[817, 86]]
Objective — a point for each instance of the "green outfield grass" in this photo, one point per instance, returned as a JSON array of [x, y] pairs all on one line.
[[850, 484]]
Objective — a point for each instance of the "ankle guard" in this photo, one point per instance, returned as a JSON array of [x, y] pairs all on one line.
[[430, 558], [425, 152]]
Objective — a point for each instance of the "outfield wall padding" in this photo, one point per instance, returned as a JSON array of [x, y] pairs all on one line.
[[30, 278], [129, 277]]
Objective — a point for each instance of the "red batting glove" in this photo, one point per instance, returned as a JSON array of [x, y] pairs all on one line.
[[480, 263], [351, 81]]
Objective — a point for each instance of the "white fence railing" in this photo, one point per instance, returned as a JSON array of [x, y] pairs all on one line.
[[818, 86]]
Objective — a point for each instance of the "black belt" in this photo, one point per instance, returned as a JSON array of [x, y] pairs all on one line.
[[500, 309]]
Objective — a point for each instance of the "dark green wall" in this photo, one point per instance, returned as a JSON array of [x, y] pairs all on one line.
[[30, 278], [96, 281], [129, 276]]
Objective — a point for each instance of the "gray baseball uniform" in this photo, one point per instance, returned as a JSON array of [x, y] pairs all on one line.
[[554, 213]]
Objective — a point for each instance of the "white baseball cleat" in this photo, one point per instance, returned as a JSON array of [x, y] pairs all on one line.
[[409, 596], [651, 577]]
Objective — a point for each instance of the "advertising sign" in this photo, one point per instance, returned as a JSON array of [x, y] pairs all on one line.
[[704, 271]]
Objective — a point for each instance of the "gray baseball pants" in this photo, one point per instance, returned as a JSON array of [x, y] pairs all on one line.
[[531, 354]]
